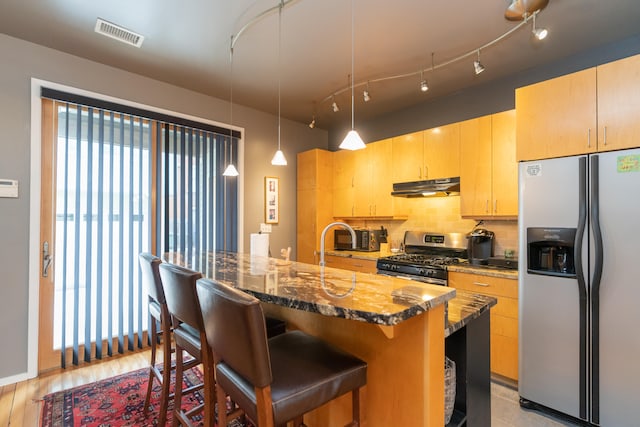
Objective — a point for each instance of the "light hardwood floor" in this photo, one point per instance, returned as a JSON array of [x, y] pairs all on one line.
[[20, 403]]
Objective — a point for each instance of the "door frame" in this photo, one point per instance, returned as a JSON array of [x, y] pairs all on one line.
[[35, 189]]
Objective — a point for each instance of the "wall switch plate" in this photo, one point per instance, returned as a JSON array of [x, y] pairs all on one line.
[[8, 188], [265, 228]]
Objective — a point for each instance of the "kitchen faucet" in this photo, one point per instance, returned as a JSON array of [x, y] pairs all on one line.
[[333, 224]]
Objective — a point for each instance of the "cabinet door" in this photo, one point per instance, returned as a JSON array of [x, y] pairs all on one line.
[[362, 185], [442, 152], [343, 169], [619, 104], [475, 167], [557, 117], [407, 157], [381, 178], [504, 177]]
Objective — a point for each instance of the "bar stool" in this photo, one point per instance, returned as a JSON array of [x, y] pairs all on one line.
[[275, 380], [189, 335], [159, 313]]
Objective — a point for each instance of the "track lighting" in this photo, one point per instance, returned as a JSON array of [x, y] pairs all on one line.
[[278, 158], [352, 141], [539, 33], [477, 66], [366, 96], [423, 84], [313, 123], [335, 107]]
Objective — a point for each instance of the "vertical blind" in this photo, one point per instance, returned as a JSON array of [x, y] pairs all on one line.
[[104, 211]]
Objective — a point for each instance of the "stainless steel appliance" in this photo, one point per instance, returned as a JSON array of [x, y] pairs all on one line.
[[366, 240], [428, 188], [426, 257], [480, 246], [579, 230]]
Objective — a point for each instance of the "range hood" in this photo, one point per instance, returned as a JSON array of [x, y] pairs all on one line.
[[428, 188]]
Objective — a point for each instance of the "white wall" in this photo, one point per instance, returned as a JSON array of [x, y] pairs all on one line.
[[22, 61]]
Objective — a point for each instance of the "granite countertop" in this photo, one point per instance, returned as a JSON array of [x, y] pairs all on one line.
[[484, 270], [327, 291], [465, 307], [373, 256]]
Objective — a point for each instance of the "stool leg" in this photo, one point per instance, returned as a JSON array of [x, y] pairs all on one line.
[[166, 369], [355, 408], [177, 399], [152, 363]]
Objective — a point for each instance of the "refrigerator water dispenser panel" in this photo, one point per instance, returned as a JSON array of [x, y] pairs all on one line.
[[550, 251]]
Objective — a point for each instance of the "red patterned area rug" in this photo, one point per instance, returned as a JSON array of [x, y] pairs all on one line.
[[113, 402]]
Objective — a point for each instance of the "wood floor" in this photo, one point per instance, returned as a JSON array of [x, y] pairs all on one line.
[[20, 403]]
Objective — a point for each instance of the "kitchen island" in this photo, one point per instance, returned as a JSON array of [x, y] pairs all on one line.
[[397, 327]]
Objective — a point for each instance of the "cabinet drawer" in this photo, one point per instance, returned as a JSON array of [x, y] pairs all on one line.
[[493, 286], [505, 326], [354, 264], [506, 307]]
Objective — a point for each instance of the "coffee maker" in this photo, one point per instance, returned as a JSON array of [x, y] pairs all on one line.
[[480, 246]]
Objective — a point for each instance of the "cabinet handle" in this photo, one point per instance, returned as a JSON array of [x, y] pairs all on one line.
[[605, 135], [358, 265], [486, 207], [495, 206], [589, 138], [484, 285], [420, 172], [426, 172]]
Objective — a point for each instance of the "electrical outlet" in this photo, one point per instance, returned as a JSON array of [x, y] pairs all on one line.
[[265, 228]]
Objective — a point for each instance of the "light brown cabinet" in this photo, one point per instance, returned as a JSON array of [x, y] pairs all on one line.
[[504, 317], [488, 167], [580, 113], [344, 162], [430, 154], [353, 264], [372, 181], [314, 204]]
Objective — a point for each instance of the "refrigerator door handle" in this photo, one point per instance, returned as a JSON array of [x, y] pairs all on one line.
[[582, 286], [595, 289]]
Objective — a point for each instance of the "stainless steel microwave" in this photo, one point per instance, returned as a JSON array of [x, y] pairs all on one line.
[[366, 240]]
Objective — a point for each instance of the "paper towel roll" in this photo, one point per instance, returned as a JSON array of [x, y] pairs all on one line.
[[260, 244]]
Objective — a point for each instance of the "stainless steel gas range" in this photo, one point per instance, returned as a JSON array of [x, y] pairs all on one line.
[[426, 256]]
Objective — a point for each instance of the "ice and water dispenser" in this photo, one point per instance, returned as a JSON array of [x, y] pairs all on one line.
[[550, 251]]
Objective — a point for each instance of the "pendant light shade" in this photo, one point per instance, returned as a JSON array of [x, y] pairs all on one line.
[[230, 171], [352, 141], [278, 158]]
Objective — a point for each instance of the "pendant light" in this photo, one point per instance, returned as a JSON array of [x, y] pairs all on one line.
[[278, 158], [352, 141], [231, 169]]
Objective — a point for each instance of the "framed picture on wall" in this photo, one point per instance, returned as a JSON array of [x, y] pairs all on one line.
[[271, 200]]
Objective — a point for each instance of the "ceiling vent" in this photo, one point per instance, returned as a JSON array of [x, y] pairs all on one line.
[[119, 33]]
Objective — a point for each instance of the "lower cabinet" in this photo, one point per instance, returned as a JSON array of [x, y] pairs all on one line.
[[348, 263], [504, 317]]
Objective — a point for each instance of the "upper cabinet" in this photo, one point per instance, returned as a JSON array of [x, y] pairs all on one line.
[[488, 167], [580, 113], [362, 182], [430, 154]]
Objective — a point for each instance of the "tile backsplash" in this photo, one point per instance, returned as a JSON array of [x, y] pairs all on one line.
[[442, 214]]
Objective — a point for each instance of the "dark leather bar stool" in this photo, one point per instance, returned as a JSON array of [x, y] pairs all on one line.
[[159, 314], [189, 335], [275, 380]]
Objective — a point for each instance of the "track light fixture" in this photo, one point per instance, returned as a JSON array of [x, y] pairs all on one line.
[[352, 141], [365, 95], [423, 83], [477, 66], [312, 124], [334, 106], [539, 33]]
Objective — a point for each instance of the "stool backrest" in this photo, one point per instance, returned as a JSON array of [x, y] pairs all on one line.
[[236, 332], [180, 290], [149, 266]]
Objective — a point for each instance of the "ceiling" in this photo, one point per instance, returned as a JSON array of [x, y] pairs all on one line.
[[187, 44]]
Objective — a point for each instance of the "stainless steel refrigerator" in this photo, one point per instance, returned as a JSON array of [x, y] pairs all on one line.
[[579, 286]]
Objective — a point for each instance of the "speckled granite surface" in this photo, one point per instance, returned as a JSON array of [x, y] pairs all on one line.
[[484, 271], [372, 256], [334, 292]]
